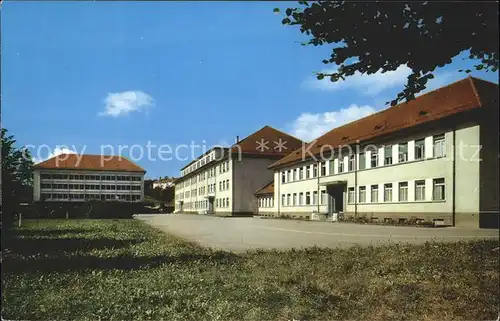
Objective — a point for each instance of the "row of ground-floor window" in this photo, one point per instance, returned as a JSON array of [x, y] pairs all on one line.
[[267, 201], [438, 192], [311, 197], [204, 204], [81, 197]]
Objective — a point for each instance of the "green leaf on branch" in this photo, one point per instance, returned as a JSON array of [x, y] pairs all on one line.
[[423, 36]]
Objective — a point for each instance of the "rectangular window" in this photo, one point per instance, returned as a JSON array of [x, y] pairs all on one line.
[[288, 199], [352, 162], [374, 158], [420, 149], [295, 174], [308, 173], [332, 166], [340, 165], [289, 175], [362, 194], [283, 177], [323, 169], [420, 190], [315, 198], [439, 145], [438, 189], [301, 198], [294, 199], [388, 192], [315, 170], [301, 173], [374, 193], [308, 198], [403, 191], [350, 195], [388, 155], [323, 197], [403, 152], [362, 161], [283, 198]]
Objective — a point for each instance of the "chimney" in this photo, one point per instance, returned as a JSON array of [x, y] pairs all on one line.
[[237, 139]]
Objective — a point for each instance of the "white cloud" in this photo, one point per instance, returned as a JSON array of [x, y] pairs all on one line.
[[310, 126], [369, 85], [57, 151], [122, 103]]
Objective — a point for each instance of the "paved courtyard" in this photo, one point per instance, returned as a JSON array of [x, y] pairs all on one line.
[[241, 234]]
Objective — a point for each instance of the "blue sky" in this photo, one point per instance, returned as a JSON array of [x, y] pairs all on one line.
[[87, 74]]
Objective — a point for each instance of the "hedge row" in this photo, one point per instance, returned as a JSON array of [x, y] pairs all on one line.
[[90, 209]]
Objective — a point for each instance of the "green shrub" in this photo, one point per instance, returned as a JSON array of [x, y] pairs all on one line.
[[91, 209]]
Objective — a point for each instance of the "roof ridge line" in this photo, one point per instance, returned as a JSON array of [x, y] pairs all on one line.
[[287, 134], [474, 89], [258, 130]]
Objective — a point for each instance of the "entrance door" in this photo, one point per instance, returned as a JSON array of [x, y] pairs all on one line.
[[210, 205], [335, 198]]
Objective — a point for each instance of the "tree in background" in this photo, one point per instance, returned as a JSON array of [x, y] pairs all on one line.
[[17, 176], [368, 37], [164, 195]]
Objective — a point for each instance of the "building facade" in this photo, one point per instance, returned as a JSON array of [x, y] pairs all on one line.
[[164, 183], [79, 178], [223, 180], [434, 159]]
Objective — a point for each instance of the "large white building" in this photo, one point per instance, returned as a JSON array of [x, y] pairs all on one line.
[[435, 158], [78, 178], [223, 180]]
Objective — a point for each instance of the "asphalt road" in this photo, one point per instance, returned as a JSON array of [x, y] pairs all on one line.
[[241, 234]]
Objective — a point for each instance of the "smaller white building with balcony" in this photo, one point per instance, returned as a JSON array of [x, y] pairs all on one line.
[[79, 178]]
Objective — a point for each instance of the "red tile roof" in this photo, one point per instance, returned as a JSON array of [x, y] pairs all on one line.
[[268, 141], [267, 189], [457, 97], [250, 144], [90, 162]]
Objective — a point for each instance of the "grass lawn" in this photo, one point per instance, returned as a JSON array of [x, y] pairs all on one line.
[[123, 269]]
